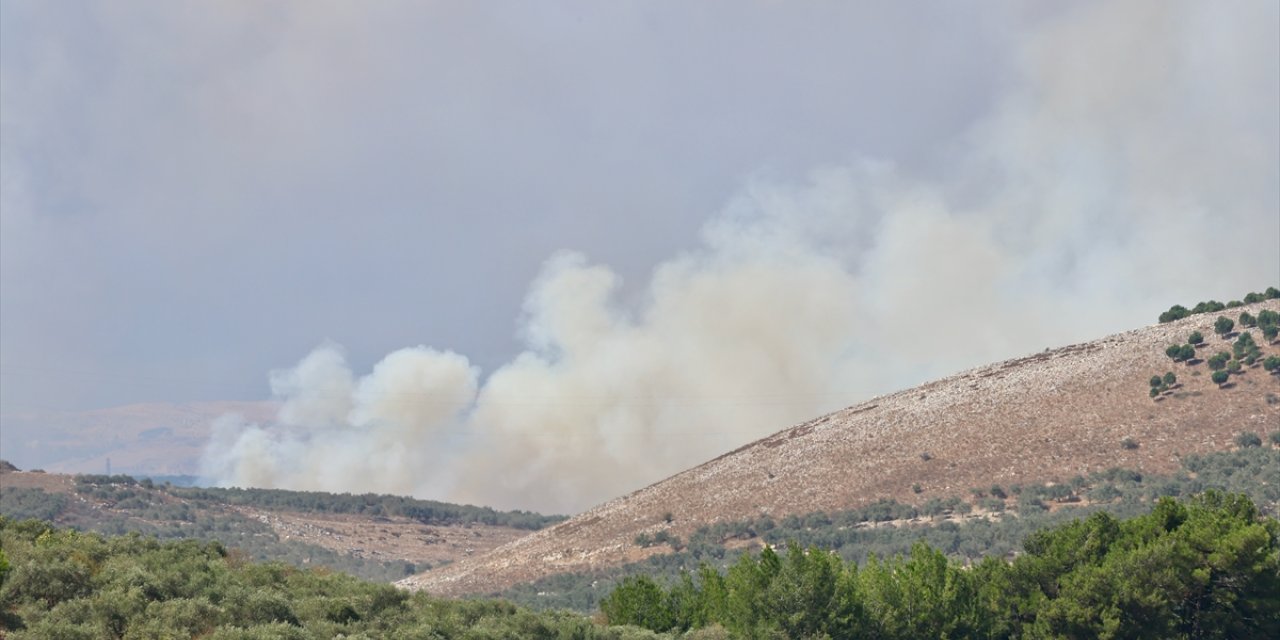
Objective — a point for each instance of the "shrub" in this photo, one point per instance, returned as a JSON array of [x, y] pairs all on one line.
[[1170, 379], [1155, 391], [1272, 293], [1031, 504], [1174, 351], [1272, 364], [1155, 381], [1248, 439], [1195, 338], [1233, 366], [997, 492], [1274, 437], [1129, 443], [1270, 332], [1220, 377], [1223, 325], [1247, 320]]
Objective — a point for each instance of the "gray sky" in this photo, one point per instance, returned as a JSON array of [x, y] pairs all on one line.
[[195, 193], [632, 235]]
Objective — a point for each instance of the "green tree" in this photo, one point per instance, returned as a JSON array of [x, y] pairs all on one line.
[[1218, 361], [638, 601], [1187, 353], [1176, 312], [1195, 338], [1247, 319], [1223, 325], [1220, 377], [1169, 379]]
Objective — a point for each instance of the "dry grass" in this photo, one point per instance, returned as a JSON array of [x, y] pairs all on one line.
[[1045, 417]]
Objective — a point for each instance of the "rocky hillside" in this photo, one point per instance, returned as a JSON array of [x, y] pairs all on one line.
[[1044, 417]]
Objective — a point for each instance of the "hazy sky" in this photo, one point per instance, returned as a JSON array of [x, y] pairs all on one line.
[[602, 216], [195, 193]]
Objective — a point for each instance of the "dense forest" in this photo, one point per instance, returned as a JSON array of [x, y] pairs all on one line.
[[1204, 567]]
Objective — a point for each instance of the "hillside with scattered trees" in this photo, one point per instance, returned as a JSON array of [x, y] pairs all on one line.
[[1207, 567]]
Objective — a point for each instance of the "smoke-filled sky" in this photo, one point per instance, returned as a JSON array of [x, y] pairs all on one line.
[[538, 254]]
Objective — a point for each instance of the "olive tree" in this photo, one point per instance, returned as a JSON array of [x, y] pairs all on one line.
[[1223, 325]]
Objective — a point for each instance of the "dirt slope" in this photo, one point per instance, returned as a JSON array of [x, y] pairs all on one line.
[[1045, 417], [363, 536]]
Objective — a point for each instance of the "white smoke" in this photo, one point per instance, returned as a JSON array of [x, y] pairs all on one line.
[[336, 434], [1136, 163]]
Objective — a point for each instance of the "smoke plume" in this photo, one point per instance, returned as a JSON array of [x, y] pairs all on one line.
[[1134, 162]]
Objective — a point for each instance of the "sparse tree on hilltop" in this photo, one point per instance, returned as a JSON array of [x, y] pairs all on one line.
[[1176, 312]]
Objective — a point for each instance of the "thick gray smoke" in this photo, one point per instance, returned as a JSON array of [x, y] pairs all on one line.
[[1135, 163]]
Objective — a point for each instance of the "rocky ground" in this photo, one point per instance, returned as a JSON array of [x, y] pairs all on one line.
[[1044, 417]]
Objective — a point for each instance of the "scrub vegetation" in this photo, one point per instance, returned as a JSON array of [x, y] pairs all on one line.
[[992, 521], [1205, 567]]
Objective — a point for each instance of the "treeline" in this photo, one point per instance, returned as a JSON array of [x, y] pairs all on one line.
[[1178, 312], [1206, 568], [992, 521], [63, 584], [368, 504]]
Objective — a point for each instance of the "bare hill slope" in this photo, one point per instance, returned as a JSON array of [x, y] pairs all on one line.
[[1045, 417]]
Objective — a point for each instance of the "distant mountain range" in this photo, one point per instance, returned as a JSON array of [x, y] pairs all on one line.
[[141, 439]]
